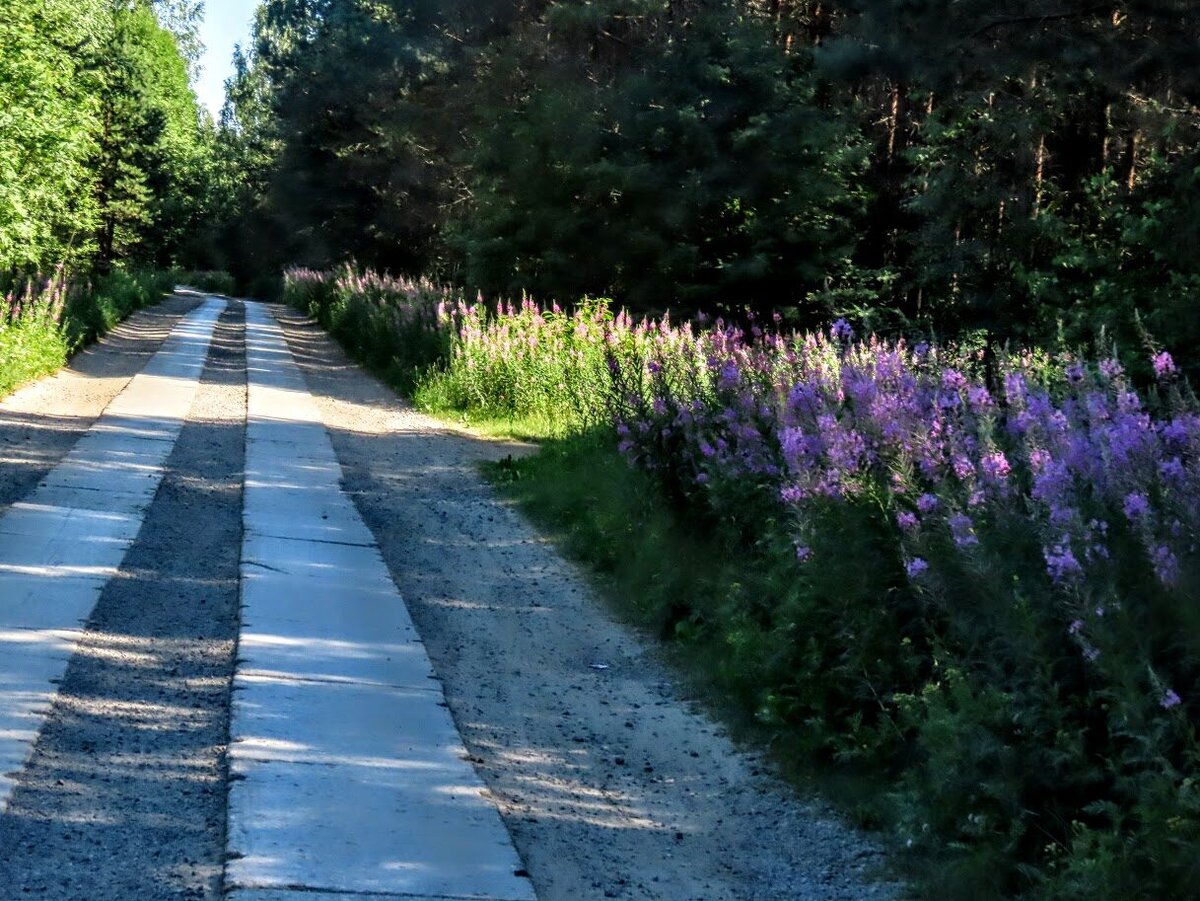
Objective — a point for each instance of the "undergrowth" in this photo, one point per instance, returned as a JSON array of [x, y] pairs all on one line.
[[43, 323], [960, 578]]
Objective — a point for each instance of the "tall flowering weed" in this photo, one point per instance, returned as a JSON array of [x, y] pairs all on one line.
[[974, 572], [397, 326], [1032, 574], [32, 340]]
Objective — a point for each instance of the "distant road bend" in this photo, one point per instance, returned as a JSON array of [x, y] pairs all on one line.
[[266, 635]]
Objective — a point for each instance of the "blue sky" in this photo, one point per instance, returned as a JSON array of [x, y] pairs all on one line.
[[226, 23]]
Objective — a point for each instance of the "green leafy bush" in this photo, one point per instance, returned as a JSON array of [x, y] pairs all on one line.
[[210, 282]]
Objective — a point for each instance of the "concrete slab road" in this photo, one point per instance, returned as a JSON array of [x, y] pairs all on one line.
[[349, 776]]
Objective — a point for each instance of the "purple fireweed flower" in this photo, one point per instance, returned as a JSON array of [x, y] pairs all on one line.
[[654, 366], [1172, 470], [729, 374], [1075, 373], [978, 397], [927, 503], [707, 449], [1136, 506], [962, 529], [1111, 369], [953, 380], [1076, 627], [1061, 564], [915, 567], [962, 466], [907, 521], [842, 331], [1169, 699], [1091, 655], [701, 478], [803, 553], [1166, 565], [1163, 364], [791, 494]]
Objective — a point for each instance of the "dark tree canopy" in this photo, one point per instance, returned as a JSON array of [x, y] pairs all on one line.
[[1013, 169]]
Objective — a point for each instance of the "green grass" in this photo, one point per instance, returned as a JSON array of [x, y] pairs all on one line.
[[29, 350], [40, 342]]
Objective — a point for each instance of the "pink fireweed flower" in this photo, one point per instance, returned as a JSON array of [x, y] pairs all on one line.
[[907, 521], [995, 466], [1164, 364]]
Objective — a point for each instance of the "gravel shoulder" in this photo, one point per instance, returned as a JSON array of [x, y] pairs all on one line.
[[33, 440], [124, 796], [611, 784]]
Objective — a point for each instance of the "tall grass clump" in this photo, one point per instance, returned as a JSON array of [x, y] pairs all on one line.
[[94, 308], [548, 365], [32, 341], [43, 322], [969, 576], [395, 326]]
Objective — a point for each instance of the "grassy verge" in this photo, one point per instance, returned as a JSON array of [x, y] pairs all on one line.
[[43, 326]]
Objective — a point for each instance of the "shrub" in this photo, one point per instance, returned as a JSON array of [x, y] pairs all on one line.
[[209, 282]]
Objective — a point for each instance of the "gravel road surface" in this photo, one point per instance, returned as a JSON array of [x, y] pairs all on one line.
[[610, 784]]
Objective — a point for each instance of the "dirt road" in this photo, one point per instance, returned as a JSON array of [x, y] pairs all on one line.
[[347, 776]]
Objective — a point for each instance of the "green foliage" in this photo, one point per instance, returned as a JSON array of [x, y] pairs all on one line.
[[94, 309], [151, 154], [32, 342], [694, 169], [103, 155], [49, 114], [42, 325], [210, 282]]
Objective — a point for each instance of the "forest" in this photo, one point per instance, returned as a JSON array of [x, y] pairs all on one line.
[[1005, 170], [780, 287]]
